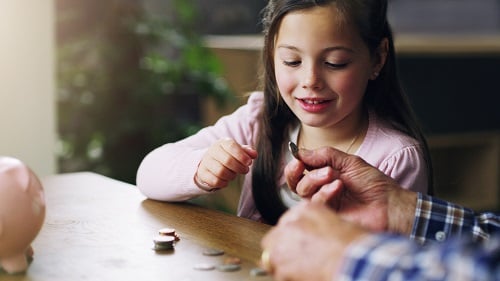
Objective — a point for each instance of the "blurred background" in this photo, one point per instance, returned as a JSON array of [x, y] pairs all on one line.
[[91, 85]]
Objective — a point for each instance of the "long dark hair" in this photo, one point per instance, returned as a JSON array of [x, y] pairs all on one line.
[[384, 95]]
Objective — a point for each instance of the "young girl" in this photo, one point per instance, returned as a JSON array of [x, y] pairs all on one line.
[[330, 80]]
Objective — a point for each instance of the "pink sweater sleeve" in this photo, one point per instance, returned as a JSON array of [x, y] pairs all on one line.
[[167, 172], [408, 168], [396, 154]]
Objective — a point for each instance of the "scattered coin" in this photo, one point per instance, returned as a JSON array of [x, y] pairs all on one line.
[[213, 252], [257, 271], [228, 267], [204, 266]]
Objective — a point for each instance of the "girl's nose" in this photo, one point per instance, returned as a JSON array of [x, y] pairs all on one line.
[[312, 79]]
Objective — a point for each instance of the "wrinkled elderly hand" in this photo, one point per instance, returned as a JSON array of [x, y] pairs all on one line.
[[308, 243], [357, 191]]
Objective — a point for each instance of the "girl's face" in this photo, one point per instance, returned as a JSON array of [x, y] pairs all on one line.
[[322, 67]]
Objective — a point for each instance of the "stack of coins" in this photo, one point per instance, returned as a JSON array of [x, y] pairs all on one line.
[[165, 239], [163, 242]]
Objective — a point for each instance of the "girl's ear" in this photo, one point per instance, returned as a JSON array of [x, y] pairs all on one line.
[[380, 57]]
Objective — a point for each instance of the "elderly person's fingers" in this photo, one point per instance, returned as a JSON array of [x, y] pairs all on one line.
[[307, 243], [329, 194], [312, 181], [294, 171]]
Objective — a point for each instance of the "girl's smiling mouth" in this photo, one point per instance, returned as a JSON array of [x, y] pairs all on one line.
[[314, 105]]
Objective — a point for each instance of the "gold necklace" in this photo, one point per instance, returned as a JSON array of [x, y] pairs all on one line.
[[350, 145], [353, 141]]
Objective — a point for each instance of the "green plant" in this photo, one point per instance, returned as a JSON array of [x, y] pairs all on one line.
[[128, 82]]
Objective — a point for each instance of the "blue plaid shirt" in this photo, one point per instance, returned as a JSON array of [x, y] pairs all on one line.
[[458, 244]]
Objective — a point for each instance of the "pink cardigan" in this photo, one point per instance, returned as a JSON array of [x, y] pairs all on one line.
[[166, 173]]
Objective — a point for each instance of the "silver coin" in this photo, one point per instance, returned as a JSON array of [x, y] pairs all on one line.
[[293, 149], [163, 248], [163, 239], [228, 267], [295, 152], [213, 252], [163, 243], [204, 266], [257, 271]]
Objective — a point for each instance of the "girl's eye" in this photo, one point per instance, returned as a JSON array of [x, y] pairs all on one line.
[[335, 65], [328, 64], [291, 63]]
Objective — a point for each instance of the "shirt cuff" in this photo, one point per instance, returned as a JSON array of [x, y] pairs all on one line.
[[437, 220]]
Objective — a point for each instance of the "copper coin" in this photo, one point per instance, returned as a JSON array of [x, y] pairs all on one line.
[[167, 231]]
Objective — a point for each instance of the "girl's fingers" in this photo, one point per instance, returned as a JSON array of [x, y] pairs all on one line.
[[235, 157]]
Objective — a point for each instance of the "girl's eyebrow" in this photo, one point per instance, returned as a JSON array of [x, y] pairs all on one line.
[[329, 49]]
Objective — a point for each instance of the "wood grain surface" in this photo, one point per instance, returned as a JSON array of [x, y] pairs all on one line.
[[98, 228]]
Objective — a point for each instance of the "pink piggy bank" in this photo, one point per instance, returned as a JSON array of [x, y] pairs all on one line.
[[22, 212]]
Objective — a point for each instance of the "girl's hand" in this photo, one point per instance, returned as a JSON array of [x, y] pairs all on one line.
[[222, 163]]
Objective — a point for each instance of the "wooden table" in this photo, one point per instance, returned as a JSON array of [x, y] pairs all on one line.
[[98, 228]]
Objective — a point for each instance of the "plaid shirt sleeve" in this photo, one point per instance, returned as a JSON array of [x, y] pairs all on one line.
[[390, 257], [436, 220], [459, 256]]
